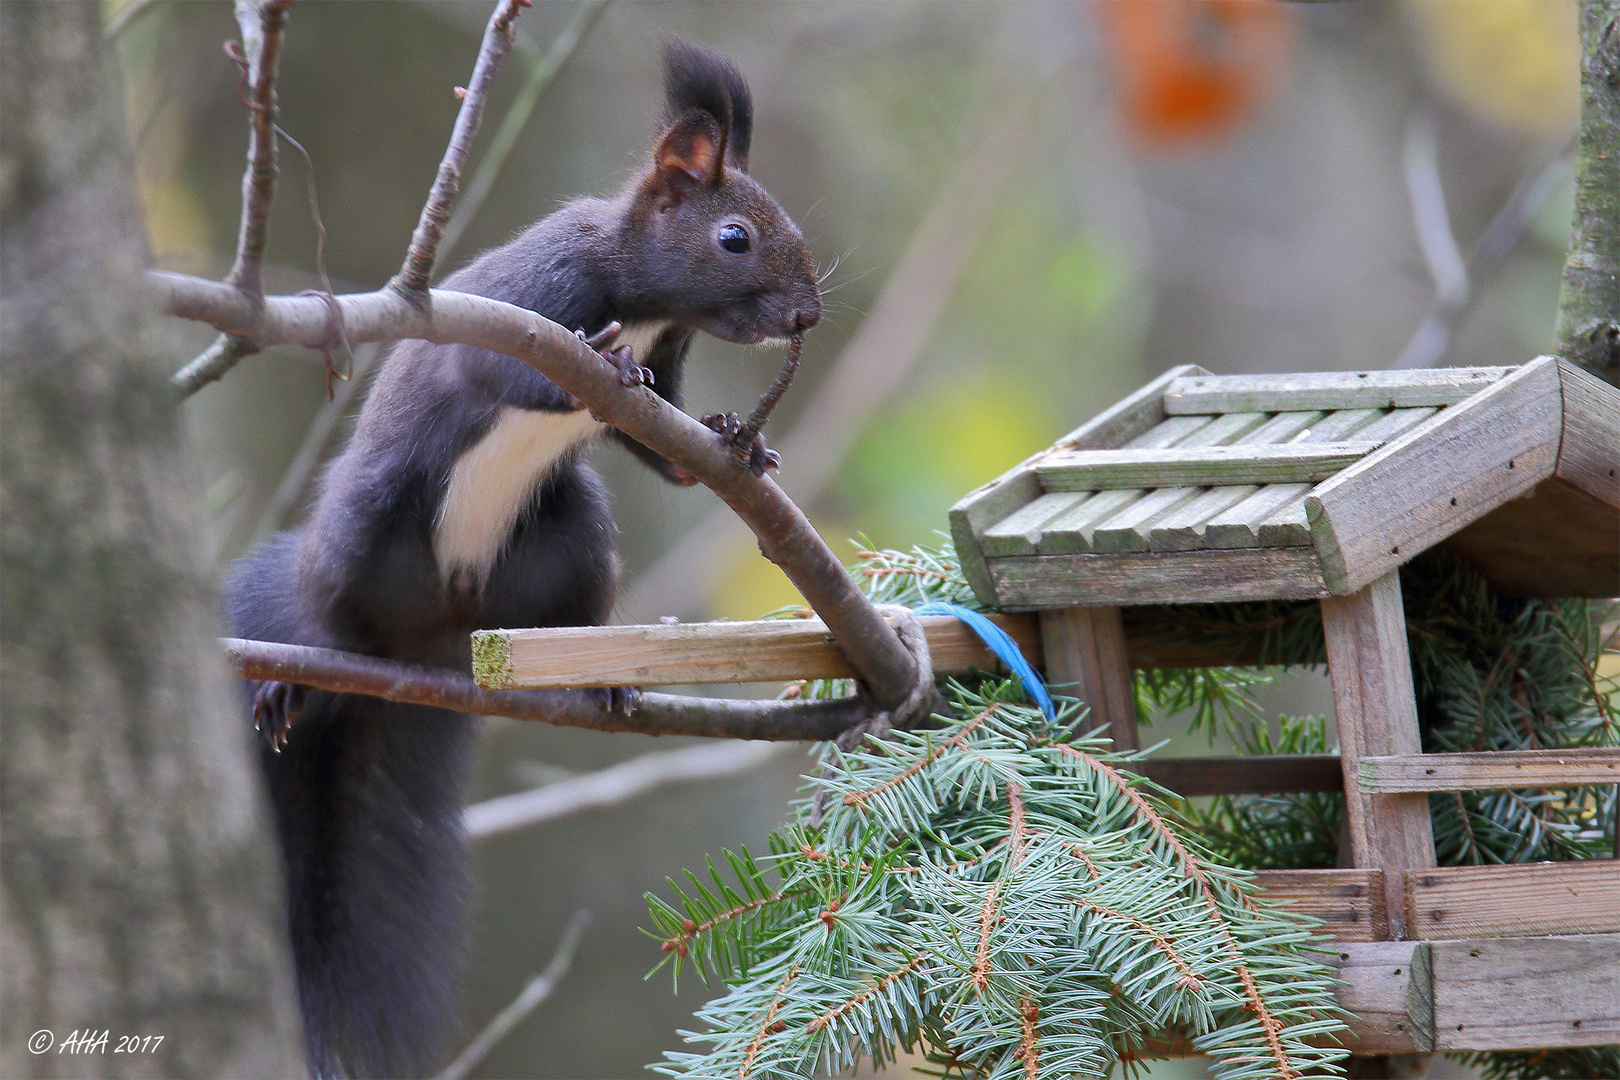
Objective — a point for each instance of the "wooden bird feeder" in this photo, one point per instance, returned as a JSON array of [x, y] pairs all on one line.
[[1201, 489]]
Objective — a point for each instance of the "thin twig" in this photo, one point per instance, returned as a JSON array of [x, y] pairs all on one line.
[[542, 72], [541, 987], [125, 17], [1433, 338], [414, 275], [262, 23], [874, 364], [615, 784], [785, 535], [654, 714]]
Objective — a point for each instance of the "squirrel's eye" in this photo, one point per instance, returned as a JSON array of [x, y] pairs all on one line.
[[734, 238]]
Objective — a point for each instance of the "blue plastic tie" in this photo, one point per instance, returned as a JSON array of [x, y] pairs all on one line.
[[1005, 648]]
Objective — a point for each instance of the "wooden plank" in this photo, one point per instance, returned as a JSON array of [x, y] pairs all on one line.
[[976, 511], [1074, 532], [1526, 993], [1388, 991], [1153, 577], [1556, 541], [1424, 486], [1519, 900], [1254, 774], [1020, 531], [1326, 390], [1085, 657], [770, 650], [1128, 529], [1239, 525], [1489, 770], [1285, 463], [1376, 710], [1589, 452], [1182, 529], [1350, 903]]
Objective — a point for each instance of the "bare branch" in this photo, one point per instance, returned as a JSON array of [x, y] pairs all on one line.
[[262, 22], [654, 714], [1434, 336], [615, 784], [541, 987], [414, 275], [542, 71], [785, 534], [1420, 161]]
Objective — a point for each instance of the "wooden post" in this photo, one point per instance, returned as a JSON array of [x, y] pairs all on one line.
[[1376, 710], [1085, 658]]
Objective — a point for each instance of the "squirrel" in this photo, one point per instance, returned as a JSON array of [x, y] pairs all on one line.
[[460, 503]]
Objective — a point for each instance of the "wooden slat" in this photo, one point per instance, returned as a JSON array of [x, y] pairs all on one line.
[[1085, 657], [1286, 463], [1388, 992], [1128, 529], [980, 508], [1020, 531], [1257, 774], [1350, 903], [1427, 484], [1239, 525], [1515, 901], [1526, 993], [1326, 390], [1376, 712], [1589, 453], [1153, 577], [1489, 770], [772, 650]]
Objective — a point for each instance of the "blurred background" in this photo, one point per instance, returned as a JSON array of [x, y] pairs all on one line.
[[1024, 211]]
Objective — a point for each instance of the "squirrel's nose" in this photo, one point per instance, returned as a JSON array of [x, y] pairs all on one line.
[[808, 315]]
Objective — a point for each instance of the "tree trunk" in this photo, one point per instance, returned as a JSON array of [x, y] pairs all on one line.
[[141, 894], [1588, 329]]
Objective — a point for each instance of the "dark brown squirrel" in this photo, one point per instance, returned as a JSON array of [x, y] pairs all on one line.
[[461, 503]]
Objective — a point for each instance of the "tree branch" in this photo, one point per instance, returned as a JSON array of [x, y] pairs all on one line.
[[654, 714], [1588, 326], [615, 784], [414, 275], [542, 71], [785, 534], [262, 22]]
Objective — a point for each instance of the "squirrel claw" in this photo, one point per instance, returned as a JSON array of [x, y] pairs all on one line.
[[727, 424], [275, 706], [761, 458]]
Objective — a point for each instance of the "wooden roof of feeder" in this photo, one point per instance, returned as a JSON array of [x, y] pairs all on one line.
[[1204, 487]]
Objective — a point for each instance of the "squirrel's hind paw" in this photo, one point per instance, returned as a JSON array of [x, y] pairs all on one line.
[[275, 706]]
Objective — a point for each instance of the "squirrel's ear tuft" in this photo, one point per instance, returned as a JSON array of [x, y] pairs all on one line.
[[690, 154], [697, 77]]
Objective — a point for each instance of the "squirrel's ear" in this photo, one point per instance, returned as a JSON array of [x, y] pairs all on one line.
[[690, 154]]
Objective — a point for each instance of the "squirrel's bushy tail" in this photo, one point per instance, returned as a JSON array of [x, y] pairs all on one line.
[[367, 797]]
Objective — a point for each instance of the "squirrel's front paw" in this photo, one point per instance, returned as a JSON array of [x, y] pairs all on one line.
[[630, 372], [727, 424], [275, 706]]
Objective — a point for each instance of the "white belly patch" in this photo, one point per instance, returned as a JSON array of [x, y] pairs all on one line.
[[491, 484]]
